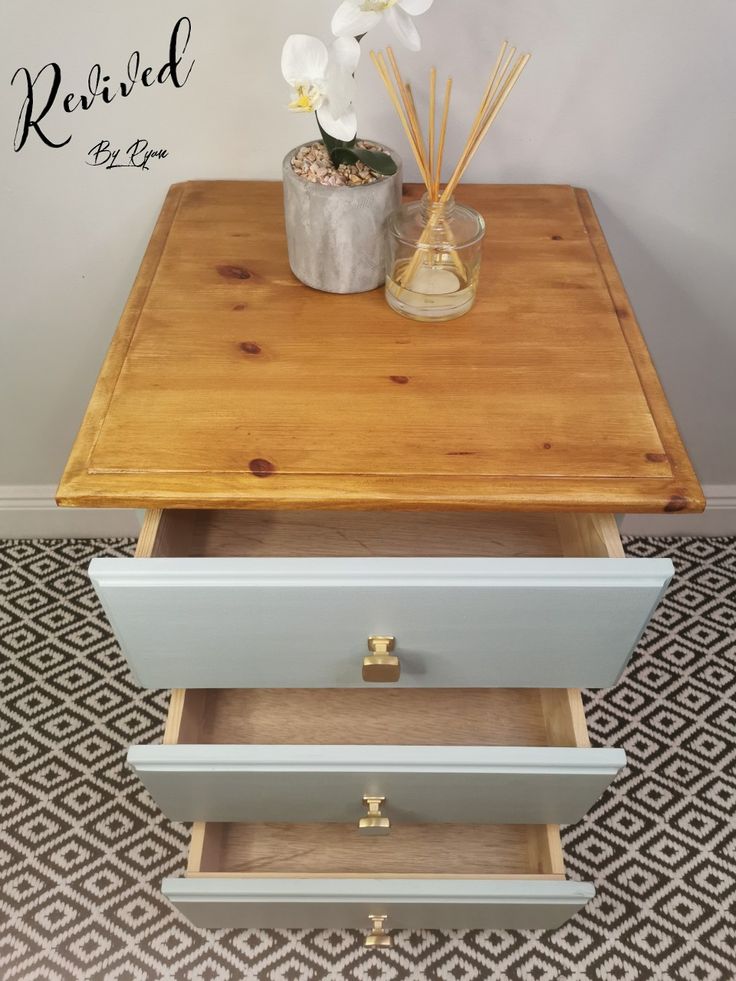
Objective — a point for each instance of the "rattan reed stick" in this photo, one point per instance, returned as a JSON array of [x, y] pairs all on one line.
[[431, 127], [501, 81], [503, 94], [443, 133], [380, 65]]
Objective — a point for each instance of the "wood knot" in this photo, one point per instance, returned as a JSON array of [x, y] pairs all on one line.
[[250, 347], [399, 379], [675, 503], [261, 468], [556, 238], [656, 457], [547, 446], [239, 306], [234, 272]]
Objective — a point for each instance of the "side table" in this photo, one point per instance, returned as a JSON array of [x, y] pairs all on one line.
[[379, 561]]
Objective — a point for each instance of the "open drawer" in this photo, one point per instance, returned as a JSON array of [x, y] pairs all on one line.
[[240, 599], [499, 756], [425, 876]]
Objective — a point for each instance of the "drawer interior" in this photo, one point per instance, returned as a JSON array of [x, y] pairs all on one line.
[[401, 716], [376, 533], [433, 850]]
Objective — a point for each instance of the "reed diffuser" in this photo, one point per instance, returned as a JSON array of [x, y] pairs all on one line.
[[434, 246]]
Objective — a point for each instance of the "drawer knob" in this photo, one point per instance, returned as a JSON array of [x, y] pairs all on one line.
[[380, 665], [374, 822], [378, 937]]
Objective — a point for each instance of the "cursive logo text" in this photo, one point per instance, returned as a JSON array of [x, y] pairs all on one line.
[[42, 91], [137, 155]]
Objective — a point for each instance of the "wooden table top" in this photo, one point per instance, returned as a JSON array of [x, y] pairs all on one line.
[[229, 384]]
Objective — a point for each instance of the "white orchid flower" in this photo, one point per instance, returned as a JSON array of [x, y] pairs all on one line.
[[322, 80], [357, 17]]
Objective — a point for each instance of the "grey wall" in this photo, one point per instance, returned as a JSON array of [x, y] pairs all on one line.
[[633, 100]]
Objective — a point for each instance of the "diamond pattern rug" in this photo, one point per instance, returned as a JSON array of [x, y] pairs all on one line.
[[83, 848]]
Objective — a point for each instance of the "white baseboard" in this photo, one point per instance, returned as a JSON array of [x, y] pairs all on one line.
[[719, 517], [31, 512]]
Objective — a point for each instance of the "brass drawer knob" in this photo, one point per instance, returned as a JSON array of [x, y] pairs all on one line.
[[380, 665], [378, 937], [374, 822]]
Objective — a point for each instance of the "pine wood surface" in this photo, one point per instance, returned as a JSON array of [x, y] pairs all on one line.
[[230, 385], [436, 850]]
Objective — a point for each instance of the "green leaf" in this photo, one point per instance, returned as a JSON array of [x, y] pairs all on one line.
[[381, 162], [333, 145], [343, 155], [348, 151]]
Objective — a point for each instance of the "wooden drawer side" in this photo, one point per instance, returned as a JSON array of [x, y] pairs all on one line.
[[335, 850], [431, 717], [340, 534]]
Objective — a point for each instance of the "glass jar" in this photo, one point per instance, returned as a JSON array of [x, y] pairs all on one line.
[[433, 254]]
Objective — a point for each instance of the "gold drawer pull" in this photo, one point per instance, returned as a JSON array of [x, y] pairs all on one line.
[[374, 823], [379, 665], [378, 936]]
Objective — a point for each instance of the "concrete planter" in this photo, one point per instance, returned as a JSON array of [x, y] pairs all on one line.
[[336, 234]]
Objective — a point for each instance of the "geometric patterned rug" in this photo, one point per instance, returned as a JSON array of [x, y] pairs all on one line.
[[83, 848]]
